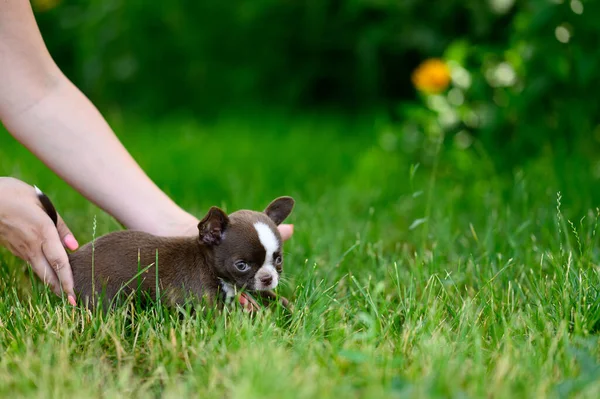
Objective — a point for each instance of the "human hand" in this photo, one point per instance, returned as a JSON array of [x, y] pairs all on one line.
[[29, 233], [286, 231], [250, 305]]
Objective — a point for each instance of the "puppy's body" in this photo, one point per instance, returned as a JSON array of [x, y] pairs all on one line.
[[126, 261], [239, 251]]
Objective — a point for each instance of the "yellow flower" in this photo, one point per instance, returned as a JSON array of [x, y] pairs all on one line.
[[432, 76]]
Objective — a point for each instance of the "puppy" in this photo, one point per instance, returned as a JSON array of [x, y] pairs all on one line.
[[240, 251]]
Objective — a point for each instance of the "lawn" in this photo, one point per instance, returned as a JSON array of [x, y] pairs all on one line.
[[445, 279]]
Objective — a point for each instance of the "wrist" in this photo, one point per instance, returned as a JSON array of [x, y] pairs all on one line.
[[176, 222]]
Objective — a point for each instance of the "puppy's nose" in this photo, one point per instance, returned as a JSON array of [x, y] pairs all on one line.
[[266, 280]]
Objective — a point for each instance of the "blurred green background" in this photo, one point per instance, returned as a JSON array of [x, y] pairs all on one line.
[[524, 73]]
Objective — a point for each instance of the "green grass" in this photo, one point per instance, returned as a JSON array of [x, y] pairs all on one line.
[[496, 294]]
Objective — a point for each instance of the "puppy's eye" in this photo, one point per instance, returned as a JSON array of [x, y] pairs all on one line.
[[241, 266], [278, 260]]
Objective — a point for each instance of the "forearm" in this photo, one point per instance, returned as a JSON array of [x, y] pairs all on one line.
[[44, 111], [68, 134]]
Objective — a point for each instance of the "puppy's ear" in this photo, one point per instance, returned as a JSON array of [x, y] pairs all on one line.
[[212, 227], [280, 209]]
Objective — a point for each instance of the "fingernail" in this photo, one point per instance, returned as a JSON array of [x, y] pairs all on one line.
[[71, 242], [71, 299]]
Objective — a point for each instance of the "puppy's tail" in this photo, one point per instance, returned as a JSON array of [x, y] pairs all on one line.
[[47, 205]]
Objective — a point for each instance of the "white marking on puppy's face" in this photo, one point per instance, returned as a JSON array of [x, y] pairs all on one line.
[[270, 243]]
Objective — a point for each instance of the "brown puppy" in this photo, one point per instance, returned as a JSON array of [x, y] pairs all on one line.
[[239, 251]]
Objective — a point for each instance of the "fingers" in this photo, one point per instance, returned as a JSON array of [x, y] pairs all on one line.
[[285, 302], [286, 231], [67, 238], [248, 303], [42, 268], [57, 258], [271, 296], [29, 233]]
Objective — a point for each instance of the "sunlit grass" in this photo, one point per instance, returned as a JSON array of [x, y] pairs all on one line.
[[499, 299]]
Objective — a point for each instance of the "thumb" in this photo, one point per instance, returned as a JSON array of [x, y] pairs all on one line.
[[286, 231], [66, 237]]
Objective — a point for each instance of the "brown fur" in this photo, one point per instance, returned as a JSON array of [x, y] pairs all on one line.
[[188, 267], [183, 267]]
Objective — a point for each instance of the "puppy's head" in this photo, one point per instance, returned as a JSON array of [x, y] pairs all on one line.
[[247, 245]]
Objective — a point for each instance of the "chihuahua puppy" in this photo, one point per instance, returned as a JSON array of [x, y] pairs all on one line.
[[240, 251]]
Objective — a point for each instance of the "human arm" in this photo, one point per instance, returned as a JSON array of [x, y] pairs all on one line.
[[45, 112]]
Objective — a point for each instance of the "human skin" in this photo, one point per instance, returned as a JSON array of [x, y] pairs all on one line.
[[54, 120]]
